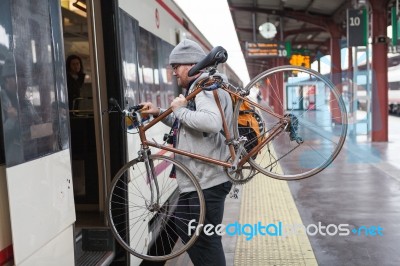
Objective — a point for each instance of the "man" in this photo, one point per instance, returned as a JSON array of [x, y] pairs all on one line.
[[199, 126]]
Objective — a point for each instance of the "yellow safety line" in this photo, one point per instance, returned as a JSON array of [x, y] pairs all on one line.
[[268, 200]]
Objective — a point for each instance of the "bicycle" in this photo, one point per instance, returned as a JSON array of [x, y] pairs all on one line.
[[295, 141]]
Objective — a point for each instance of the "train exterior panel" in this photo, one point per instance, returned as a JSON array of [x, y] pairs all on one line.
[[6, 251], [46, 200], [36, 172], [53, 182]]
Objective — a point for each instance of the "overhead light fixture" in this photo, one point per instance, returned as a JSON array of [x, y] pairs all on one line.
[[309, 36], [80, 5]]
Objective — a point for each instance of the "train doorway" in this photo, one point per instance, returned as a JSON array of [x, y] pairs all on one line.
[[88, 129]]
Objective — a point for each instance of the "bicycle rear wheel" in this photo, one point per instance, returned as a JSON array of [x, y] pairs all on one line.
[[146, 217], [316, 122]]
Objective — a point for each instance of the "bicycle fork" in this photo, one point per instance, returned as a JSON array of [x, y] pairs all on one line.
[[151, 179]]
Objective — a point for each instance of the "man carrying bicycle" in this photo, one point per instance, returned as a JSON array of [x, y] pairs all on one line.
[[198, 126]]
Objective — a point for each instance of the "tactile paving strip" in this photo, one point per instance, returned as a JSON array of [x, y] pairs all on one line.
[[269, 201]]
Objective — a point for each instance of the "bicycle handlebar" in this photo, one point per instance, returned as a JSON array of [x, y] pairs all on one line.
[[131, 109], [135, 108], [216, 56]]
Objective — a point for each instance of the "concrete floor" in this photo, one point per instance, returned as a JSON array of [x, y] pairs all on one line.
[[361, 189]]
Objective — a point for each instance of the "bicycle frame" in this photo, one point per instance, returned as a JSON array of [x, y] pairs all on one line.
[[281, 126]]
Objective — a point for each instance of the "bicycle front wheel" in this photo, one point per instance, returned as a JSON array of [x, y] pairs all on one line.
[[309, 113], [147, 211]]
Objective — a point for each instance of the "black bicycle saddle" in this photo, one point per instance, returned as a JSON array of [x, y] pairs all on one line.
[[216, 56]]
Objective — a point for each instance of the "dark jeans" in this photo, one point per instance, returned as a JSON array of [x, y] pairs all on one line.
[[207, 250]]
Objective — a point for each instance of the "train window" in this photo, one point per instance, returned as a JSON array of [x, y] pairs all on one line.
[[168, 83], [148, 66], [31, 110], [5, 55], [128, 29], [144, 63], [146, 75]]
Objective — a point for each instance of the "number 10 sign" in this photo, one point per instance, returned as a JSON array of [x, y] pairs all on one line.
[[356, 27]]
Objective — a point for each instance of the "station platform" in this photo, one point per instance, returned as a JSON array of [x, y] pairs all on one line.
[[359, 192]]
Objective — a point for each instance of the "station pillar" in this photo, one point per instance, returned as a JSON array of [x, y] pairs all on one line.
[[336, 65], [379, 101], [277, 100]]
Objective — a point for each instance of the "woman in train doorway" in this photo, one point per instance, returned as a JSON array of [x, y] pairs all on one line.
[[75, 78], [199, 128]]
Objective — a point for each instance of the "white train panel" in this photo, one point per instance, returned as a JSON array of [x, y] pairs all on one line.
[[40, 192], [59, 251]]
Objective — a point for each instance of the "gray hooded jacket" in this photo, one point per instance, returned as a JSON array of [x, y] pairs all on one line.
[[199, 132]]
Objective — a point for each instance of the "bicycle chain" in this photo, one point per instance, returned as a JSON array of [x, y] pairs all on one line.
[[254, 172], [283, 156]]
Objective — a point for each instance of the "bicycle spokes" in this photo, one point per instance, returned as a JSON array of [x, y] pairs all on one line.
[[312, 116], [145, 209]]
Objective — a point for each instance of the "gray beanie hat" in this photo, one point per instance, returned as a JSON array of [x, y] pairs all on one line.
[[186, 52]]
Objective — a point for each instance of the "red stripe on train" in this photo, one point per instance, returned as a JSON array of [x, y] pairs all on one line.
[[6, 254]]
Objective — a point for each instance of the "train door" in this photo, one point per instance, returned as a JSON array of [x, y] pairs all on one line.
[[81, 107], [35, 134], [89, 131], [294, 96]]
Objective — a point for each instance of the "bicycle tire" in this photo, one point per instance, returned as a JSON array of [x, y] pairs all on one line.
[[149, 231], [316, 132]]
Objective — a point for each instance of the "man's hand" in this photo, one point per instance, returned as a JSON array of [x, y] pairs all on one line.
[[149, 108], [178, 102]]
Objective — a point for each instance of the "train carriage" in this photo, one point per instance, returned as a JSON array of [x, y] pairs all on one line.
[[57, 162]]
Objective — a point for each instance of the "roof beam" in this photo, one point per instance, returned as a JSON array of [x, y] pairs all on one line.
[[319, 21], [287, 32]]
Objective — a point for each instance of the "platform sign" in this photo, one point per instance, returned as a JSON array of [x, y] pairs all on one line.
[[302, 51], [268, 49], [395, 26], [356, 27], [300, 60]]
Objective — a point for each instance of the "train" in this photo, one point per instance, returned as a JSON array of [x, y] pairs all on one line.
[[394, 90], [364, 100], [59, 155]]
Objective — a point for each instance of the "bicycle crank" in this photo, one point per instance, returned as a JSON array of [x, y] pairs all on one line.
[[241, 175]]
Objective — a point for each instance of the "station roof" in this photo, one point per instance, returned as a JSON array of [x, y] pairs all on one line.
[[304, 24]]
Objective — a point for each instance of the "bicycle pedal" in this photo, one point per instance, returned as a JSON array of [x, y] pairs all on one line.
[[234, 196]]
